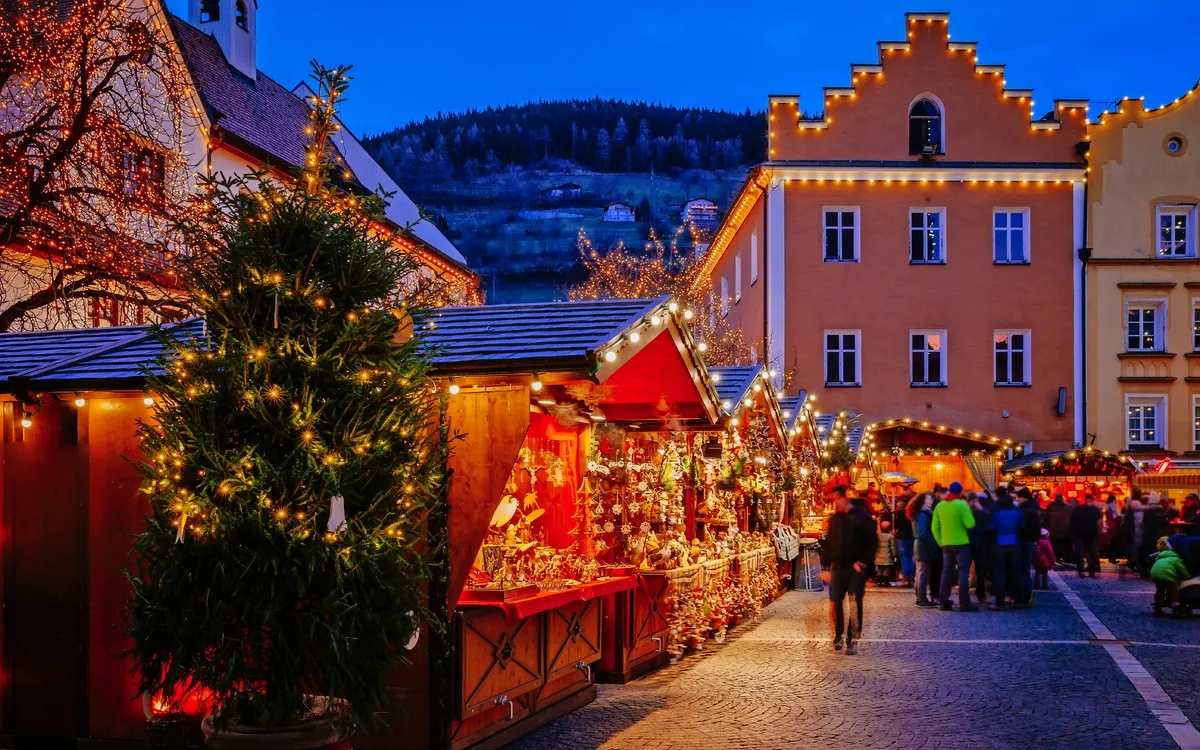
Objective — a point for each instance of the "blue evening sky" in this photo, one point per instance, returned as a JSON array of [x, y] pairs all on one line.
[[412, 59]]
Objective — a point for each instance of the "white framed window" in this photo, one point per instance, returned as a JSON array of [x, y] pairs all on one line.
[[724, 296], [737, 278], [1177, 231], [1145, 422], [1196, 423], [712, 311], [1196, 325], [1010, 235], [927, 360], [1145, 322], [843, 363], [1012, 357], [754, 354], [842, 234], [927, 235], [753, 257]]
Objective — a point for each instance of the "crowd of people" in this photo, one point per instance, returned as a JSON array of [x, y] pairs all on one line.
[[1000, 546]]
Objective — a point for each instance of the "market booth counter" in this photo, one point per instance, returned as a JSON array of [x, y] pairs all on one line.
[[1074, 473], [562, 484]]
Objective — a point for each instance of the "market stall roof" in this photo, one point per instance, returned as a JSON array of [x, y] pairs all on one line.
[[733, 383], [549, 336], [854, 433], [1074, 462], [792, 406], [114, 358]]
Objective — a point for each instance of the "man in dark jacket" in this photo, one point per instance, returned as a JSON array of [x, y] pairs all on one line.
[[1085, 528], [1058, 521], [1030, 533], [849, 550]]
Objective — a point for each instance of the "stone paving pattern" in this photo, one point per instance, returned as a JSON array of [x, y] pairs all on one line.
[[921, 679]]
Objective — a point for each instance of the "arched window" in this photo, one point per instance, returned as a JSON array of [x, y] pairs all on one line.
[[924, 128], [210, 10], [241, 17]]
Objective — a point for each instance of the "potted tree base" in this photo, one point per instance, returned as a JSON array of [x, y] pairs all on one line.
[[323, 730]]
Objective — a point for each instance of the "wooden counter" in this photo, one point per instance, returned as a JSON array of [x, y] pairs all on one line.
[[519, 665]]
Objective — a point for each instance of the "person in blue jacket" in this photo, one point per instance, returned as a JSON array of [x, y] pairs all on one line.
[[927, 549], [1005, 531]]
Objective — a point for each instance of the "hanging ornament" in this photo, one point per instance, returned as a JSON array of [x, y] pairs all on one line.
[[180, 526], [416, 634], [337, 513]]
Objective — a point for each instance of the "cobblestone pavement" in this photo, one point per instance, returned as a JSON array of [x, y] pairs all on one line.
[[921, 679]]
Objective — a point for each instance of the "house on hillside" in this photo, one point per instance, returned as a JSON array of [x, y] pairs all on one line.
[[618, 211], [700, 212], [565, 190]]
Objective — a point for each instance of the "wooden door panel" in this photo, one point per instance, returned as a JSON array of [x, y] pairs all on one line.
[[496, 659], [572, 636]]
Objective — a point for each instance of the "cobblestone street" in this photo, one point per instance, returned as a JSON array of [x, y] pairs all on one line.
[[1087, 667]]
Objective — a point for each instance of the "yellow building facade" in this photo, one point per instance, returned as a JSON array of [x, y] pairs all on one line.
[[1142, 290]]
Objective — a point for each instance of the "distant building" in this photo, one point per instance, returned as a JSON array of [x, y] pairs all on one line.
[[618, 212], [565, 190], [699, 211]]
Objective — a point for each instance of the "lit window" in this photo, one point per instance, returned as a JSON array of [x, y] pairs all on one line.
[[724, 296], [928, 357], [924, 128], [241, 17], [1010, 232], [1196, 423], [210, 10], [842, 362], [927, 236], [841, 234], [1144, 327], [1196, 327], [1176, 231], [1012, 357], [737, 278], [1144, 417], [143, 172]]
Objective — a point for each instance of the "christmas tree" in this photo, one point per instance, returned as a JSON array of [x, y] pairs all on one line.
[[295, 456]]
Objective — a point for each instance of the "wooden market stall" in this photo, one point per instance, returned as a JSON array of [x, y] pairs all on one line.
[[69, 499], [1074, 473], [938, 454], [543, 555]]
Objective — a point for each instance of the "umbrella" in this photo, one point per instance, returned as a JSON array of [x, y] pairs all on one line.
[[898, 477]]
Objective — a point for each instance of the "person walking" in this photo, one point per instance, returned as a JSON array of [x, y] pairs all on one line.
[[1043, 561], [905, 538], [1154, 525], [1005, 526], [1111, 537], [927, 549], [952, 520], [1030, 535], [1131, 529], [935, 570], [849, 549], [1086, 519]]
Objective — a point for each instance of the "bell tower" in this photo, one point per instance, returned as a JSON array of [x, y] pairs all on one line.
[[232, 23]]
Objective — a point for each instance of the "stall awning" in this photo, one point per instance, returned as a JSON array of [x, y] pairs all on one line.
[[792, 406], [1172, 480], [114, 358], [733, 384]]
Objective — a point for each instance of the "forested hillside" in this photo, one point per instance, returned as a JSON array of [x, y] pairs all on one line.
[[599, 135]]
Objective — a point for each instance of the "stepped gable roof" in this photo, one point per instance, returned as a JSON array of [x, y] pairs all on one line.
[[545, 336], [114, 358]]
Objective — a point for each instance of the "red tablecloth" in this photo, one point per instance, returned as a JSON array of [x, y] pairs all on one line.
[[530, 606]]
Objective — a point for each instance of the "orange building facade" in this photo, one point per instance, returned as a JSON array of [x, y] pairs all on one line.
[[911, 252]]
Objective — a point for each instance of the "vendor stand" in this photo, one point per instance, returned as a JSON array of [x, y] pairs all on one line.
[[562, 486], [1075, 474]]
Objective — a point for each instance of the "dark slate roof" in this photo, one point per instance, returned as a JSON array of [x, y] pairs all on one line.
[[540, 336], [85, 359], [791, 406], [854, 434], [261, 112], [734, 383]]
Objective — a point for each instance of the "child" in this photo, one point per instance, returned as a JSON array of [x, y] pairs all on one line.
[[1043, 561], [1168, 570], [887, 554]]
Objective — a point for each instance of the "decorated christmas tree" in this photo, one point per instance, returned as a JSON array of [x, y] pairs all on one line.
[[295, 457]]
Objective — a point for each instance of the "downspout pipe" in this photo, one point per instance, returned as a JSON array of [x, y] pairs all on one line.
[[765, 267], [1085, 255]]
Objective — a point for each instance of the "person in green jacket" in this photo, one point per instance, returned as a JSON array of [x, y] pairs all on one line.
[[1168, 571], [952, 519]]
